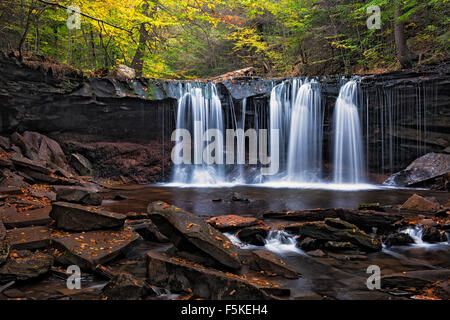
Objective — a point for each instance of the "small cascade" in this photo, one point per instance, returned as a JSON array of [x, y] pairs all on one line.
[[200, 109], [305, 140], [348, 147]]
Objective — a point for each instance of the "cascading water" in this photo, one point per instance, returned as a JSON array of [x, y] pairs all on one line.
[[348, 147], [305, 140], [200, 109]]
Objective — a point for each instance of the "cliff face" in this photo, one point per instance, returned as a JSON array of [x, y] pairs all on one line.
[[124, 126]]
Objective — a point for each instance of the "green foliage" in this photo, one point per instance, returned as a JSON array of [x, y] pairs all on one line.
[[203, 38]]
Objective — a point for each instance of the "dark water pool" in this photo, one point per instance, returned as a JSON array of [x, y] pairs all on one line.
[[204, 201]]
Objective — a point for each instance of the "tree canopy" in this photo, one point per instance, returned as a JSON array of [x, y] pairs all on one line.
[[202, 38]]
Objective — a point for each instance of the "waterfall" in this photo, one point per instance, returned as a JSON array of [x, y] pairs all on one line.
[[305, 139], [200, 104], [348, 148], [296, 111]]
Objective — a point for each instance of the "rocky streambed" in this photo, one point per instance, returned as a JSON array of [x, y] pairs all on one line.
[[138, 242]]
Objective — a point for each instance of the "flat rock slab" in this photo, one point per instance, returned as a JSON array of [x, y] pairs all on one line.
[[32, 237], [263, 260], [89, 249], [11, 190], [183, 276], [191, 233], [82, 195], [30, 165], [232, 222], [75, 217], [24, 265], [13, 219]]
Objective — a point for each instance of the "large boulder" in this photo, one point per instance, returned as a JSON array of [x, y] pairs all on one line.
[[75, 217], [76, 194], [418, 203], [191, 233], [428, 167], [48, 150], [254, 235]]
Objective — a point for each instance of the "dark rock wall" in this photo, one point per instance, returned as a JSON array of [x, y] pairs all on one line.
[[124, 126]]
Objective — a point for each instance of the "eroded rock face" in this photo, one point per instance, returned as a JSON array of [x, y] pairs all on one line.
[[422, 170], [75, 217], [191, 233], [254, 235]]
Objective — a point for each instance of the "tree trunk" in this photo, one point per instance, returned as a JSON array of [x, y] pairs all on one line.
[[403, 54], [138, 60]]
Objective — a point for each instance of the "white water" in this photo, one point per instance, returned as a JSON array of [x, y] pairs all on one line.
[[348, 147], [305, 140], [296, 111], [279, 242], [201, 104]]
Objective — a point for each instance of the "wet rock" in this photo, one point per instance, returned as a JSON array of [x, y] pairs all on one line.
[[82, 195], [309, 244], [418, 203], [322, 231], [13, 219], [340, 224], [366, 220], [44, 194], [4, 246], [335, 246], [398, 239], [432, 234], [82, 165], [317, 253], [191, 233], [235, 196], [123, 286], [263, 260], [181, 275], [89, 249], [231, 222], [255, 236], [370, 206], [147, 230], [428, 167], [24, 265], [5, 163], [75, 217], [403, 282]]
